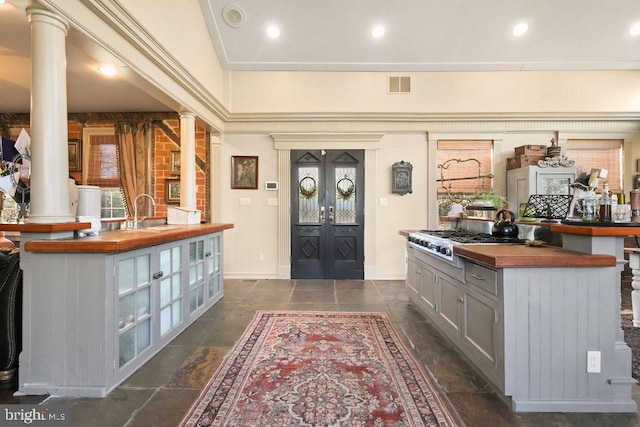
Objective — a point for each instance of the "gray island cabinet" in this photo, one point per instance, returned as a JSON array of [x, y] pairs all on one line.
[[97, 308], [526, 318]]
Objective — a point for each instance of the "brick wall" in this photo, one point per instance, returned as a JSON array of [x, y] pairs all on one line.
[[162, 144]]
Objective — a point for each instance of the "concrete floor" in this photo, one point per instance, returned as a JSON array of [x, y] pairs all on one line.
[[161, 392]]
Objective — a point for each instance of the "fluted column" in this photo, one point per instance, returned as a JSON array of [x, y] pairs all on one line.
[[188, 160], [49, 138], [215, 168]]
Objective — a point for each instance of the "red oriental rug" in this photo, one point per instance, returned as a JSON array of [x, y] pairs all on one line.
[[294, 368]]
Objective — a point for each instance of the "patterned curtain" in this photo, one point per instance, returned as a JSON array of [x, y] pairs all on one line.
[[133, 162]]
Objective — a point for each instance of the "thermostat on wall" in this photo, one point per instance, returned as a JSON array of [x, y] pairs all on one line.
[[271, 185]]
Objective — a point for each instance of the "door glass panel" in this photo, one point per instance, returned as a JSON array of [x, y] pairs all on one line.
[[345, 195], [176, 284], [175, 254], [308, 206], [127, 306], [165, 291], [177, 312], [127, 346], [144, 335], [125, 275], [144, 302], [143, 269], [165, 260], [165, 320]]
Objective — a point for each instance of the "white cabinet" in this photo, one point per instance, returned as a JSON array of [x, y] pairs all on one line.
[[523, 182], [108, 314]]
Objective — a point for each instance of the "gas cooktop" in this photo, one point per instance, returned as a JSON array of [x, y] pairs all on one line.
[[440, 243], [470, 237]]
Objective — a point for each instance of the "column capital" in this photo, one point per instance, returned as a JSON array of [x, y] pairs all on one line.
[[38, 14], [187, 115]]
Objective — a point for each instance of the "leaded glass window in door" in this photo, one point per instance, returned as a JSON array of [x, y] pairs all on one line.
[[308, 195], [345, 197]]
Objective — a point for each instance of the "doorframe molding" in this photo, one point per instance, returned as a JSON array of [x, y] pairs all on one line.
[[284, 143]]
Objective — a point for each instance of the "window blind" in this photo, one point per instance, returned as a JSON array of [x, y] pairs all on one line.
[[599, 154], [450, 178], [103, 170]]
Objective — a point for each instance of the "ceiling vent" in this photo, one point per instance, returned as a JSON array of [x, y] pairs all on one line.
[[399, 84], [234, 16]]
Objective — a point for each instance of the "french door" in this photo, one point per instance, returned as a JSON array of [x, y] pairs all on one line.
[[327, 215]]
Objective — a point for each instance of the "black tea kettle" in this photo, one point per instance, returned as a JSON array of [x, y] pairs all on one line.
[[504, 225]]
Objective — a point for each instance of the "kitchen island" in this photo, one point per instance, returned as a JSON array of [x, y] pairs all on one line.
[[97, 308], [527, 317]]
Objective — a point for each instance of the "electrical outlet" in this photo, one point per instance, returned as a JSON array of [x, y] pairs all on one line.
[[593, 362]]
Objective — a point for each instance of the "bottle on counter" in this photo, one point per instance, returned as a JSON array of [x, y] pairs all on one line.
[[589, 207], [605, 204]]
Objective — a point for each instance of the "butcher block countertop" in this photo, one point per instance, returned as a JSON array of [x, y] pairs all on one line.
[[506, 255], [124, 240]]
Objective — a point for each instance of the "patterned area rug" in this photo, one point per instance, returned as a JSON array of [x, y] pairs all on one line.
[[632, 338], [294, 368]]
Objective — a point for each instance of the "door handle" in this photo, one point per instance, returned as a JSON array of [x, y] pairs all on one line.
[[321, 214], [331, 215]]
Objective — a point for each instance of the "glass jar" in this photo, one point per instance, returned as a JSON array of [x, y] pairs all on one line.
[[590, 207]]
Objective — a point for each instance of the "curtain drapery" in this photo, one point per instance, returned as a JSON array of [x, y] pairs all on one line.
[[133, 163]]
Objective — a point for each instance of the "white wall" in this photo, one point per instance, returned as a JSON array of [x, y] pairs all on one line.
[[255, 231], [460, 92], [408, 211], [180, 28]]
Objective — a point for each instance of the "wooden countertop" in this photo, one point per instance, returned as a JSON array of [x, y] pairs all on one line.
[[124, 240], [506, 255], [629, 229], [45, 228]]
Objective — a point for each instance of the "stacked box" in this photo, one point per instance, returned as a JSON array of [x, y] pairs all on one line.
[[523, 160], [531, 150]]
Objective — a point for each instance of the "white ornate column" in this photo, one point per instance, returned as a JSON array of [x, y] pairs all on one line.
[[188, 160], [215, 179], [49, 138], [634, 264]]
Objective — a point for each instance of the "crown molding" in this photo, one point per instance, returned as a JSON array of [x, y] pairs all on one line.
[[439, 123]]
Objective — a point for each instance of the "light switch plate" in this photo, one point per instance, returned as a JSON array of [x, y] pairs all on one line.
[[245, 201]]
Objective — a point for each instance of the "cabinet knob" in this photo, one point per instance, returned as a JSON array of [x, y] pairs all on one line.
[[460, 299], [207, 255]]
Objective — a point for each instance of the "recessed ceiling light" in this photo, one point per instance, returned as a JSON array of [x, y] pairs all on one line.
[[520, 29], [635, 29], [377, 31], [108, 70], [273, 31]]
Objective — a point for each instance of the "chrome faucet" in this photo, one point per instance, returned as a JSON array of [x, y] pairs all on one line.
[[135, 208]]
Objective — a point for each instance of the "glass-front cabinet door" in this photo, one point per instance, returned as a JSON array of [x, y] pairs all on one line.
[[134, 307], [170, 285], [213, 258], [196, 275]]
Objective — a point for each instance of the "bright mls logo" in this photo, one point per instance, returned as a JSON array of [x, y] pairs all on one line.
[[33, 415]]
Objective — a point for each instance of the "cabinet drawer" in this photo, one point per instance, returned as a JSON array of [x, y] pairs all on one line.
[[481, 277]]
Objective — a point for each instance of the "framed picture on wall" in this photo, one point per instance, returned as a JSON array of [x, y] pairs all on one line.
[[172, 191], [174, 163], [244, 172], [75, 155]]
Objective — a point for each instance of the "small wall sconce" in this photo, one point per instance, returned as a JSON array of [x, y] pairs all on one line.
[[401, 178]]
